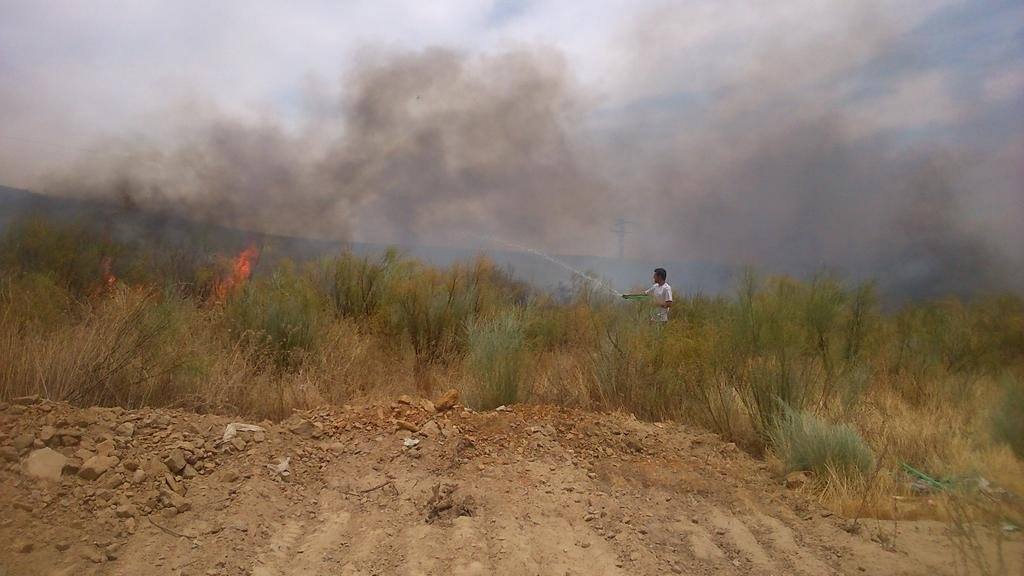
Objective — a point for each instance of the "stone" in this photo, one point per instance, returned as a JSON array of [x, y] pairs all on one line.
[[188, 471], [93, 554], [447, 401], [8, 454], [138, 476], [94, 467], [23, 442], [173, 484], [228, 476], [47, 434], [111, 480], [427, 405], [112, 551], [406, 425], [24, 546], [105, 448], [175, 461], [126, 429], [126, 511], [45, 464], [62, 545], [154, 467], [73, 465], [799, 479], [238, 444], [83, 454], [430, 429], [175, 500], [307, 429]]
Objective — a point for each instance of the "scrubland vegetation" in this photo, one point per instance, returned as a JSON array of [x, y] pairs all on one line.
[[811, 374]]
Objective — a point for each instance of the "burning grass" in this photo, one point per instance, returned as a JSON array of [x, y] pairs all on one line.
[[812, 373]]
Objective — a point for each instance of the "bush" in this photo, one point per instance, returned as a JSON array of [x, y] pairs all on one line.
[[357, 285], [497, 359], [1008, 420], [805, 442], [284, 310]]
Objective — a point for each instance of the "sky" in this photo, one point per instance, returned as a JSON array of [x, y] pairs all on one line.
[[709, 124]]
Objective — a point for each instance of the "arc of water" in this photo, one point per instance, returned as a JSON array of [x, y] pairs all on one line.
[[551, 259]]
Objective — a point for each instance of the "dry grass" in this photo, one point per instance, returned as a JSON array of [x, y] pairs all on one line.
[[935, 385]]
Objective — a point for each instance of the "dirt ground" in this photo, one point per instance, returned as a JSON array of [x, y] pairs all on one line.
[[406, 489]]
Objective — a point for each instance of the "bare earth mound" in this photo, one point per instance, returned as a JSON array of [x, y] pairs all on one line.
[[403, 489]]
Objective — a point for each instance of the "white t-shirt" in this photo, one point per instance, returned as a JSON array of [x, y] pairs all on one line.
[[661, 294]]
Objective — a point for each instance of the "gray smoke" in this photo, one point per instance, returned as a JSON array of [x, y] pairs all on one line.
[[436, 145]]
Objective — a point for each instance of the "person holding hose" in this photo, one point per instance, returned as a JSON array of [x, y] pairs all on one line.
[[660, 294]]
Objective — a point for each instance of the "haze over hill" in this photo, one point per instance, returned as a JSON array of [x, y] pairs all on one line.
[[878, 139]]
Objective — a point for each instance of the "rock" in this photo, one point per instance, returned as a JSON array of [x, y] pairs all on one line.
[[111, 480], [405, 399], [26, 400], [237, 443], [126, 429], [259, 436], [45, 464], [427, 405], [8, 454], [138, 476], [154, 467], [111, 551], [93, 554], [83, 454], [307, 429], [175, 461], [175, 500], [126, 511], [73, 465], [430, 429], [188, 471], [406, 425], [447, 401], [798, 479], [24, 546], [94, 467], [173, 484], [47, 434], [130, 465], [23, 442], [228, 476], [62, 545], [105, 448]]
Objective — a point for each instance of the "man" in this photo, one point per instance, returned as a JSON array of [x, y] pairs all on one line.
[[661, 295]]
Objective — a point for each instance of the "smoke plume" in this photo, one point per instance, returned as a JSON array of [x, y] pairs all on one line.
[[781, 168]]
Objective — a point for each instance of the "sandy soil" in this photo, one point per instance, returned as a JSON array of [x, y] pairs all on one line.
[[532, 490]]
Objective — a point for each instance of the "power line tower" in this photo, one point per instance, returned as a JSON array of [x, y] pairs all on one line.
[[620, 230]]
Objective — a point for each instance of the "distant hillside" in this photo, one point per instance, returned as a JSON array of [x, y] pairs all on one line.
[[126, 224]]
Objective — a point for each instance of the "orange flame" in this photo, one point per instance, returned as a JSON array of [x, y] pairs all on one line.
[[241, 269], [106, 265]]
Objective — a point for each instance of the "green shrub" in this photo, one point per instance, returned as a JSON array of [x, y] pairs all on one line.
[[497, 359], [805, 442], [1008, 420], [357, 285], [284, 310]]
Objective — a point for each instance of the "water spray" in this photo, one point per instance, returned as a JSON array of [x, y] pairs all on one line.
[[549, 258]]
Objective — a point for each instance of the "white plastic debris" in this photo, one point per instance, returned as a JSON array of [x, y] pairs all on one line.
[[410, 442], [232, 430], [281, 468]]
